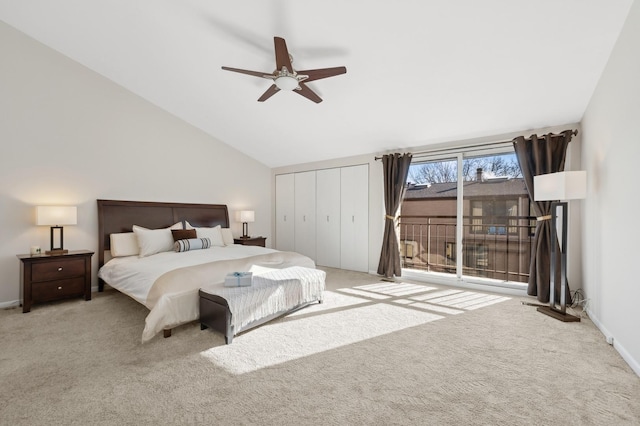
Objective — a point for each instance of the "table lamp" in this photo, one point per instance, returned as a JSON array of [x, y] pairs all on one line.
[[246, 216], [56, 216]]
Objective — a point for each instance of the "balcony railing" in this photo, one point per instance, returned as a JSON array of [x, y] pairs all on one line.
[[497, 247]]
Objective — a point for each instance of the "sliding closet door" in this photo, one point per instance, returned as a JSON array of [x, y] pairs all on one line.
[[328, 217], [354, 204], [285, 220], [305, 213]]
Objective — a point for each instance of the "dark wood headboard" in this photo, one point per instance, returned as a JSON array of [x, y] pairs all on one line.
[[120, 216]]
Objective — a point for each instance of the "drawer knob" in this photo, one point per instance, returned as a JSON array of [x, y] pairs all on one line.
[[59, 288], [60, 269]]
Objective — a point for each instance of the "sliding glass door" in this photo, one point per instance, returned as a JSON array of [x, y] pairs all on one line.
[[468, 216], [428, 222]]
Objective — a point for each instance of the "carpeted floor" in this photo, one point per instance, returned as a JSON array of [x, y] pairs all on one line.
[[372, 353]]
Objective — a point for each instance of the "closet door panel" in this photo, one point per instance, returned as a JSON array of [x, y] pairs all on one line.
[[354, 203], [285, 220], [305, 213], [328, 217]]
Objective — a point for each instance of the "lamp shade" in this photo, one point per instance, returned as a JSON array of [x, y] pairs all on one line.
[[246, 216], [560, 186], [56, 215]]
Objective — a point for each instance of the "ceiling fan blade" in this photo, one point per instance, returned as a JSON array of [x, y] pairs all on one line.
[[322, 73], [253, 73], [282, 54], [308, 93], [269, 93]]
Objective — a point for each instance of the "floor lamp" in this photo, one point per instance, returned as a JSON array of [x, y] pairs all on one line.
[[559, 187]]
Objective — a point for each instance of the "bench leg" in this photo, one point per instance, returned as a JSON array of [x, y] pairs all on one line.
[[166, 332]]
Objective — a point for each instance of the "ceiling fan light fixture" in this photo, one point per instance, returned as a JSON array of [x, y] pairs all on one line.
[[284, 77], [286, 83]]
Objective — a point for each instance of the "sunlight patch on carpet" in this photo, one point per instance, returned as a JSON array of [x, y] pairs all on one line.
[[436, 294], [480, 302], [332, 300], [459, 299], [294, 338], [429, 307], [364, 293], [395, 289]]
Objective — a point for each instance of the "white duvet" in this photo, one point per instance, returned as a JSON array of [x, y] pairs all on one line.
[[136, 277]]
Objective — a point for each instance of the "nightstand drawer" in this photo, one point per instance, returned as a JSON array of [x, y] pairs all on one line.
[[61, 289], [64, 268]]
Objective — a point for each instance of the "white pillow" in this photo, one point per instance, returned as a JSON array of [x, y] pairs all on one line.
[[214, 234], [227, 236], [152, 241], [124, 244]]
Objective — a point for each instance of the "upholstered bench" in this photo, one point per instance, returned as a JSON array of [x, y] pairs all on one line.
[[274, 293]]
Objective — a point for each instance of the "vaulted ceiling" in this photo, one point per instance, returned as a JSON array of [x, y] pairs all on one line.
[[418, 71]]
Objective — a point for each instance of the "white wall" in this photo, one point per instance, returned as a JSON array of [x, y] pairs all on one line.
[[611, 156], [70, 136]]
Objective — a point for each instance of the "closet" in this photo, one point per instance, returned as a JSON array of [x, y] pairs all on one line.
[[324, 214]]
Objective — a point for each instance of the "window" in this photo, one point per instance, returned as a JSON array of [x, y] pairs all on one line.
[[492, 216], [450, 253], [477, 256]]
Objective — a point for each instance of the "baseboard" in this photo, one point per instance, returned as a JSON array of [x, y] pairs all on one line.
[[512, 289], [10, 304], [14, 303], [610, 338]]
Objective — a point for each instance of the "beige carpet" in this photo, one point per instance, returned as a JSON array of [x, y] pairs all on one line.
[[373, 353]]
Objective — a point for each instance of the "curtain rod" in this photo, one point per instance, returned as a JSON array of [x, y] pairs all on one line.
[[471, 148]]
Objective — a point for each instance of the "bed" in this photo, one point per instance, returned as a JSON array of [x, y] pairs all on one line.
[[168, 282]]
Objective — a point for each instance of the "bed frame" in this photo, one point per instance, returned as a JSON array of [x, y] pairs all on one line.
[[119, 216]]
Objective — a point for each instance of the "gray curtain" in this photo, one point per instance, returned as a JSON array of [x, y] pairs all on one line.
[[396, 169], [538, 156]]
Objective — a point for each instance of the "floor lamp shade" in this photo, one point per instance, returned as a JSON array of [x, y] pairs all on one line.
[[246, 216], [558, 188], [56, 216]]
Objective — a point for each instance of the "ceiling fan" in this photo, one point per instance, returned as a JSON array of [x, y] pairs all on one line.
[[286, 78]]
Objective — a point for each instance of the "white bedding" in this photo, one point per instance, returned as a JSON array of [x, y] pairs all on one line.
[[136, 277]]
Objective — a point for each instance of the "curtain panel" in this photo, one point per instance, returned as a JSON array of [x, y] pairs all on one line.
[[396, 170], [538, 156]]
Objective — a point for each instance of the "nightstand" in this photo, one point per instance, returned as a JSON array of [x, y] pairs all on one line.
[[45, 278], [251, 241]]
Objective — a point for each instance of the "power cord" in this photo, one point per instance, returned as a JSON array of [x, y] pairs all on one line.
[[577, 297], [579, 300]]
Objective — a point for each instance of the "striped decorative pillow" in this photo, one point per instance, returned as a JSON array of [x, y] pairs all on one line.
[[192, 244]]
